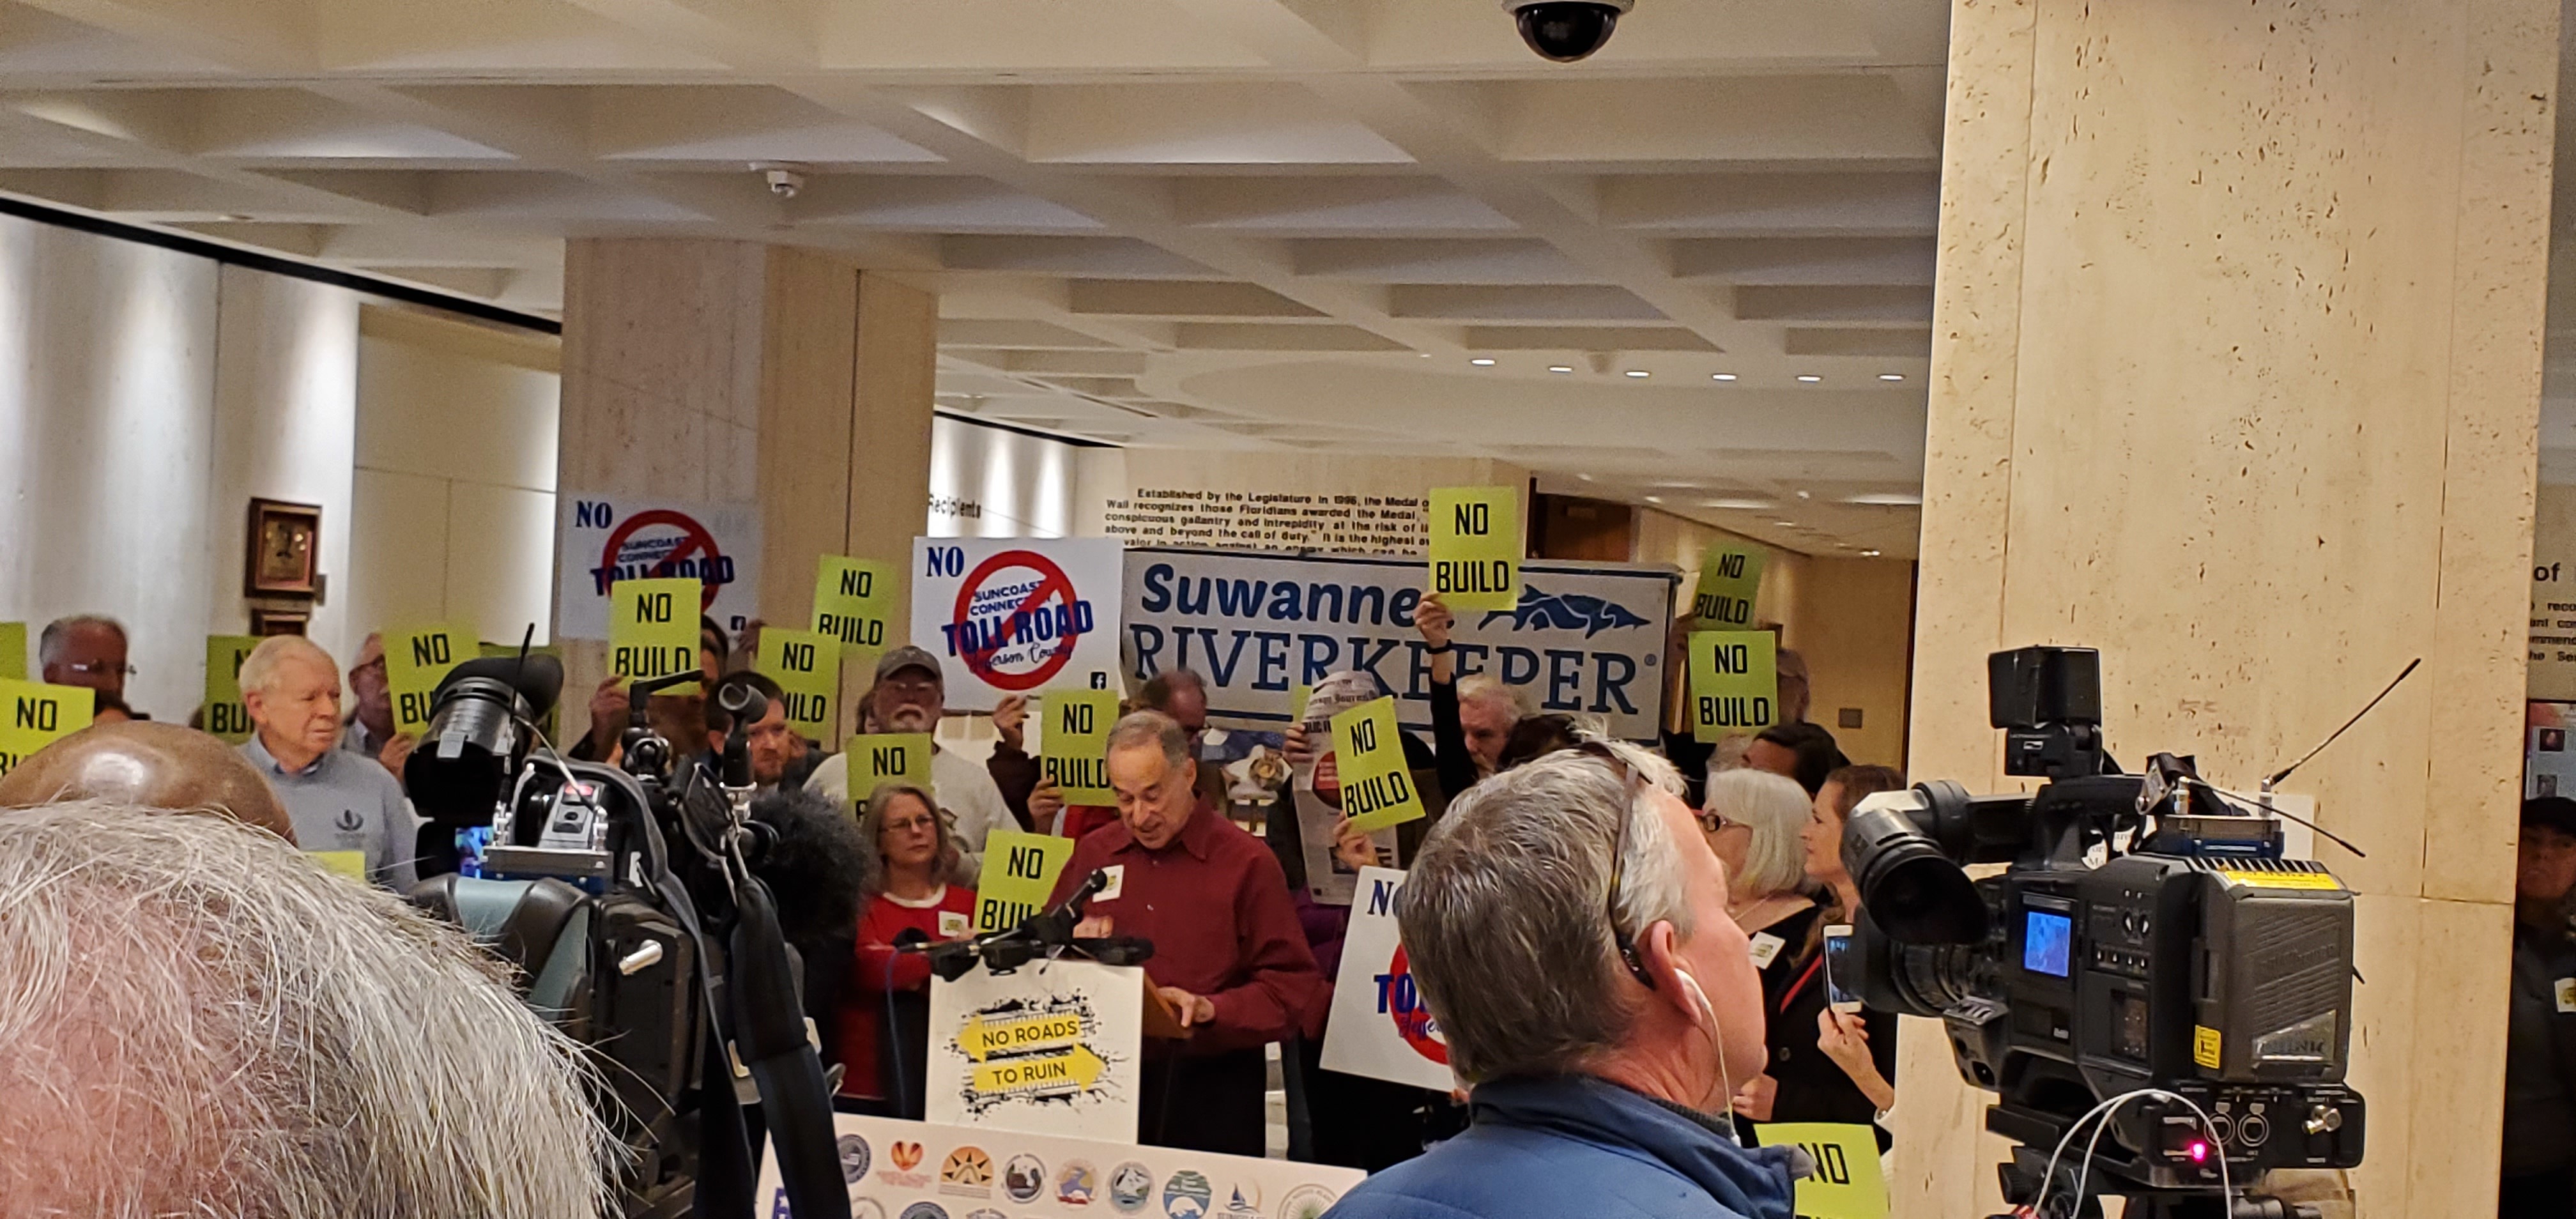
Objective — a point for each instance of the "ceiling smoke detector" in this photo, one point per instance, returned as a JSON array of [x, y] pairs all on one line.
[[785, 178]]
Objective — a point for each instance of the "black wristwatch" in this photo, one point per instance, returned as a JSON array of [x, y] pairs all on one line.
[[1442, 650]]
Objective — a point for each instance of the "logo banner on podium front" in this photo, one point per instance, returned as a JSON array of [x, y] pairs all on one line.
[[1052, 1047]]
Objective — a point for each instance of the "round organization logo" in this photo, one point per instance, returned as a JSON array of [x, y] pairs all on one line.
[[854, 1159], [1024, 1178], [1076, 1182], [986, 1214], [967, 1166], [866, 1208], [1186, 1195], [1130, 1186], [924, 1210], [1302, 1202], [1242, 1199]]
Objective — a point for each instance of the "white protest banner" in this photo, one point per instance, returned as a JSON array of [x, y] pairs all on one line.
[[611, 538], [1380, 1027], [1017, 615], [1586, 638], [894, 1168], [1052, 1047]]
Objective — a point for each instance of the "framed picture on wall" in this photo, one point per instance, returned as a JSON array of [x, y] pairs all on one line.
[[285, 548], [266, 621]]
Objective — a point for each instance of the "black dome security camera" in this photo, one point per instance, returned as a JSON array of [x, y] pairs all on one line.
[[1567, 30]]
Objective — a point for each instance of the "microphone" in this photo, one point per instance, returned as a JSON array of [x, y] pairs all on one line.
[[812, 858], [744, 706]]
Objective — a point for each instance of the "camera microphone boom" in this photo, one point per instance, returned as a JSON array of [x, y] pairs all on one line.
[[2147, 960]]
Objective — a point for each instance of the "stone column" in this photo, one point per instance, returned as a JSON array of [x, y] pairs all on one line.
[[733, 372], [2236, 376]]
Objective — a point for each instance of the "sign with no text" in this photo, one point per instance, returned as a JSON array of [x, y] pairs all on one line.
[[609, 540], [1734, 682], [1729, 576], [807, 667], [1018, 615], [34, 715], [1380, 1027], [1019, 876], [226, 717], [1847, 1183], [416, 661], [853, 603], [13, 651], [1074, 743], [1377, 786], [1476, 547], [877, 759], [653, 630]]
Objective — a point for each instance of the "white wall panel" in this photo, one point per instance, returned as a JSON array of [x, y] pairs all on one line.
[[989, 483], [286, 405]]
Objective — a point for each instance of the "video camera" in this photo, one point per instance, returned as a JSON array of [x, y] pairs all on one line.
[[669, 965], [2147, 959]]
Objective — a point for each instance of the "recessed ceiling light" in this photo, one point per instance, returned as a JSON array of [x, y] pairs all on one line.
[[1893, 499], [1806, 495], [1786, 524], [1639, 372], [1654, 499], [1584, 477], [1891, 376], [1809, 378], [1738, 503], [1721, 376], [1869, 554], [1560, 368], [1424, 354], [1483, 361]]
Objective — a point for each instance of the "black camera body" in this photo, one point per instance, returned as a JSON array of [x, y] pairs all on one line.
[[2144, 935]]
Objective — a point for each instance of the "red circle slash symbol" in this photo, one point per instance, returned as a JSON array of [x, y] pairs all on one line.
[[1413, 1023], [694, 541], [978, 653]]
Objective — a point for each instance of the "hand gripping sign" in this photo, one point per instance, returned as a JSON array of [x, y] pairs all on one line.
[[1018, 615], [1377, 786], [1074, 746], [653, 630]]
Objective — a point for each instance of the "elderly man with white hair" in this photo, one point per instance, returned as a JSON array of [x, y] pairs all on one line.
[[1567, 926], [201, 1023], [346, 809]]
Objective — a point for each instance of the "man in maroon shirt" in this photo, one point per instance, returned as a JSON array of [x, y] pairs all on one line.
[[1228, 954]]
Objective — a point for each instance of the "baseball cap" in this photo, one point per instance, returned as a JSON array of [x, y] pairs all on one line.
[[910, 657], [2555, 812]]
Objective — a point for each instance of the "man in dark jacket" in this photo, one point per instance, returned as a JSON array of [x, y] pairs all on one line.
[[1567, 926]]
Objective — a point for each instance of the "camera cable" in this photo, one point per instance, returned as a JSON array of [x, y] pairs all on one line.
[[2100, 1115]]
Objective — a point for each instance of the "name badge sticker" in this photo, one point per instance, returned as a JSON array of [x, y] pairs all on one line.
[[1766, 946], [2566, 988], [952, 925], [1117, 880]]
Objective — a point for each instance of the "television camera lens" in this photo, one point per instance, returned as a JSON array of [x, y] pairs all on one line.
[[1910, 886], [474, 742]]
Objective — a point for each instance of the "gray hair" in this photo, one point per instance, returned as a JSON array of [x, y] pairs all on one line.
[[1505, 917], [260, 667], [1152, 728], [201, 1021], [49, 646], [1487, 687], [1775, 808], [947, 867]]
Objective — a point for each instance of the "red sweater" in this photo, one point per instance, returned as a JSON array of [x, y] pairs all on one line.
[[879, 923]]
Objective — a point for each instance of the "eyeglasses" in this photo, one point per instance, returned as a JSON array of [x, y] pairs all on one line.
[[96, 667], [1636, 786], [1712, 822]]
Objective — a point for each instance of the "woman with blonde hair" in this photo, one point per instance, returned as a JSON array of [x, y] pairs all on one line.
[[919, 892]]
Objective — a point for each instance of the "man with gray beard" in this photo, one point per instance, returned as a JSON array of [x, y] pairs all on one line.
[[200, 1021]]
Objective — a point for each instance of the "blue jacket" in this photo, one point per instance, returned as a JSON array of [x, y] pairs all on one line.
[[1574, 1145]]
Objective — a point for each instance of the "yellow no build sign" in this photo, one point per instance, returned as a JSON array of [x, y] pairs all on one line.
[[653, 629], [1476, 547]]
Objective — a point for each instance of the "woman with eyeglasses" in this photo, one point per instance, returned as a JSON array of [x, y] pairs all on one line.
[[1827, 1066], [919, 893], [1752, 821]]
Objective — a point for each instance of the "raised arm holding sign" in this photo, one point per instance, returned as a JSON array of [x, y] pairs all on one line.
[[1476, 547], [653, 629]]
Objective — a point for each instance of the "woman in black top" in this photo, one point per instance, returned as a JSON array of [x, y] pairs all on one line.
[[1826, 1066]]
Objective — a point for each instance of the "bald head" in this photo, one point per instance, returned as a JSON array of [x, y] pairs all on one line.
[[147, 764]]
